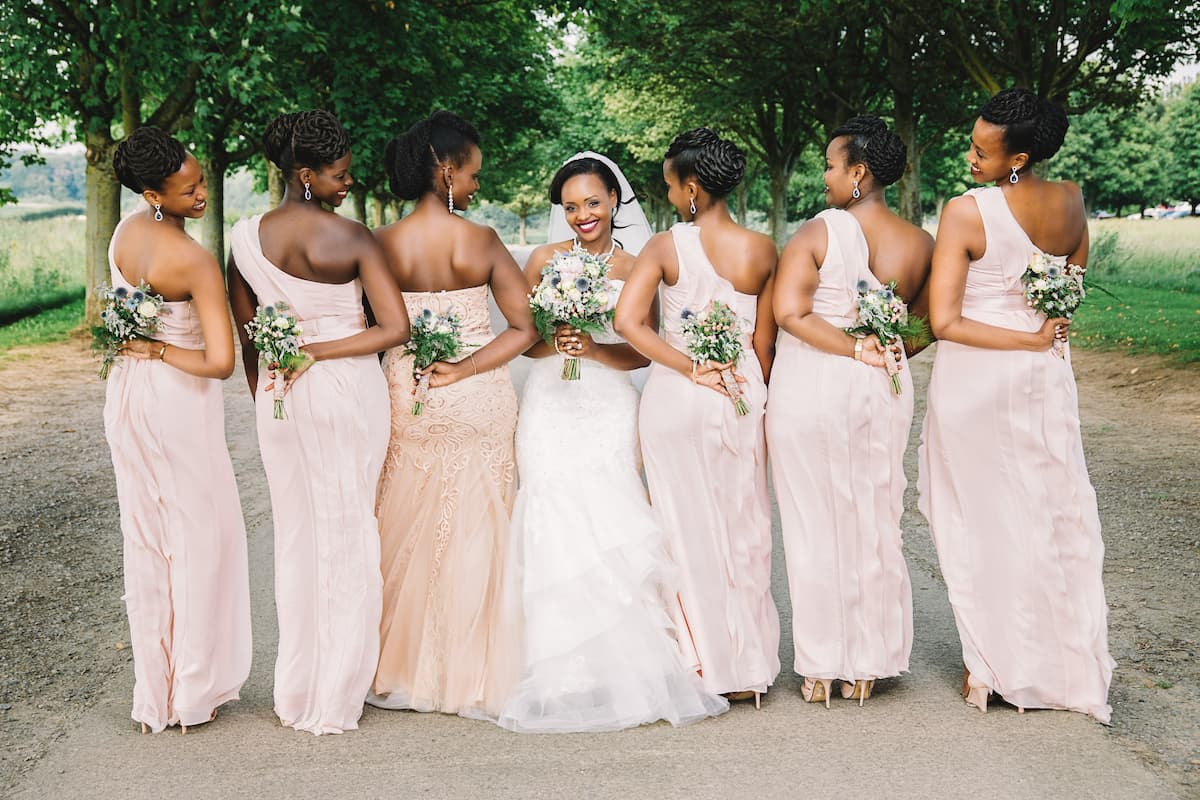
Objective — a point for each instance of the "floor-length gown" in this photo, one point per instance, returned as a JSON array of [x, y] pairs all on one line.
[[589, 567], [187, 589], [322, 464], [1010, 506], [836, 433], [707, 472], [444, 505]]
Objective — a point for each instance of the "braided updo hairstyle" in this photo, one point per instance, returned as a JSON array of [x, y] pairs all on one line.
[[146, 158], [409, 157], [870, 142], [305, 139], [718, 164], [1031, 124]]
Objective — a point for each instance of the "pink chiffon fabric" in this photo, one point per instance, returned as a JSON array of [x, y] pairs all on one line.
[[706, 469], [444, 504], [1006, 491], [837, 433], [187, 590], [322, 466]]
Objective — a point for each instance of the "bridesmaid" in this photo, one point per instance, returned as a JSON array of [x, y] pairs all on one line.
[[186, 585], [448, 481], [836, 431], [323, 461], [705, 466], [1003, 480]]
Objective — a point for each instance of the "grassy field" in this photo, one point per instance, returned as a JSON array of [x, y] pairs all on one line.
[[1151, 267]]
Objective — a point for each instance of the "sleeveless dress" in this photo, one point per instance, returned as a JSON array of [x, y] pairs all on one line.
[[836, 434], [322, 466], [444, 504], [707, 472], [187, 588], [1005, 488], [588, 566]]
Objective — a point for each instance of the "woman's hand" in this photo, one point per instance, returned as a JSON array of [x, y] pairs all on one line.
[[573, 342], [290, 376], [1056, 328], [141, 349], [709, 374], [874, 354], [444, 373]]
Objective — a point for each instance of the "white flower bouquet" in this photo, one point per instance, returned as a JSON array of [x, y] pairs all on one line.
[[884, 313], [125, 316], [715, 334], [1053, 288], [574, 291], [435, 337], [276, 336]]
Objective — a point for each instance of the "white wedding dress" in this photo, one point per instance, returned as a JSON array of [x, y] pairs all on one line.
[[589, 571]]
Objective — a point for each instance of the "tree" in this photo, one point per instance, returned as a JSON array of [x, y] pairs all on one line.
[[1116, 157], [1182, 124]]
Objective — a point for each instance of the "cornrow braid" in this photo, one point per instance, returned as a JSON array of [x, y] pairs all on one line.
[[305, 139], [870, 142], [718, 164], [146, 158], [1031, 124]]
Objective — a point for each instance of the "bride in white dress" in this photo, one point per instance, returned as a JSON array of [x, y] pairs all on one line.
[[589, 571]]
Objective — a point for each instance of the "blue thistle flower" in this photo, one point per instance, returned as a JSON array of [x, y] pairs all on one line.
[[137, 296], [120, 292], [268, 311], [582, 283], [862, 286], [1052, 272], [687, 313]]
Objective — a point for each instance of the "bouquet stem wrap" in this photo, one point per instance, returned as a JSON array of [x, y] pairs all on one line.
[[276, 336], [884, 314], [434, 337], [715, 334]]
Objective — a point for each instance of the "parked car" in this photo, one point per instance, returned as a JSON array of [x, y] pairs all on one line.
[[1102, 214]]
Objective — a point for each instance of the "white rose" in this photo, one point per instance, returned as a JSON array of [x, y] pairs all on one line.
[[148, 309], [281, 322], [298, 330]]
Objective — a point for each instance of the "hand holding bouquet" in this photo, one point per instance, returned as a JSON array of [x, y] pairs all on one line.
[[1053, 288], [435, 337], [884, 313], [574, 291], [715, 334], [276, 336], [125, 316]]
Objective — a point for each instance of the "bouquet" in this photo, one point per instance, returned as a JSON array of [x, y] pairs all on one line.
[[884, 313], [575, 291], [1054, 288], [715, 334], [125, 316], [276, 336], [435, 337]]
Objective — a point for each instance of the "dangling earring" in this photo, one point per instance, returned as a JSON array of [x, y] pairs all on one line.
[[692, 206], [856, 193], [1014, 177], [449, 189], [307, 191], [157, 212]]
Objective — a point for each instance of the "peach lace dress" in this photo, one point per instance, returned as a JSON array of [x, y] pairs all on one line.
[[187, 589], [837, 435], [322, 466], [1010, 506], [444, 505], [706, 469]]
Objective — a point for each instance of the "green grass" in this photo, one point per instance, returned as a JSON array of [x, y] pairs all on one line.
[[55, 325], [1143, 320], [41, 264]]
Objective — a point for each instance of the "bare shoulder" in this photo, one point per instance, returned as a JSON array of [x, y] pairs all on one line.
[[541, 255], [478, 233], [760, 246], [959, 212], [660, 246], [810, 235]]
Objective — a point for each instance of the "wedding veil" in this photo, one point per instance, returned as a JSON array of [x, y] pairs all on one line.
[[631, 228]]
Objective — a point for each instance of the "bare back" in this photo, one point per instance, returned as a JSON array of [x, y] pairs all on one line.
[[1051, 213], [163, 256], [312, 244], [899, 251], [438, 252]]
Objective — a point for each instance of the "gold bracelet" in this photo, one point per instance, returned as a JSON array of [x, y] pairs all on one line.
[[858, 347], [162, 353], [474, 367]]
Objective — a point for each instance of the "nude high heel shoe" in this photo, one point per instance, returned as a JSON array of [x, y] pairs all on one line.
[[736, 696], [814, 691], [976, 694], [859, 690]]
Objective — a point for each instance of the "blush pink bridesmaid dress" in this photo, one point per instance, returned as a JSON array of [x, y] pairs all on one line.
[[706, 469], [322, 466], [836, 434], [445, 499], [187, 590], [1005, 488]]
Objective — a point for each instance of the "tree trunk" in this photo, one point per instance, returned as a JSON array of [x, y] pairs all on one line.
[[521, 230], [212, 224], [103, 214], [743, 189], [360, 206], [778, 222], [900, 49], [397, 207], [275, 184], [377, 211]]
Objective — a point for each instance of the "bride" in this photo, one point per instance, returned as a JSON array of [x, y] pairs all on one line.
[[589, 567]]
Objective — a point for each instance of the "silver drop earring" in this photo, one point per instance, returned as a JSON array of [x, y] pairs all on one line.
[[157, 212], [692, 206], [856, 193], [1014, 177], [450, 197], [307, 191]]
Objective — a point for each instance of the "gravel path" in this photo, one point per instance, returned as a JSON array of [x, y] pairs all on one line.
[[65, 668]]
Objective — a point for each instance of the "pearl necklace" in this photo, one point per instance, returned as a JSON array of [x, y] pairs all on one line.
[[602, 256]]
